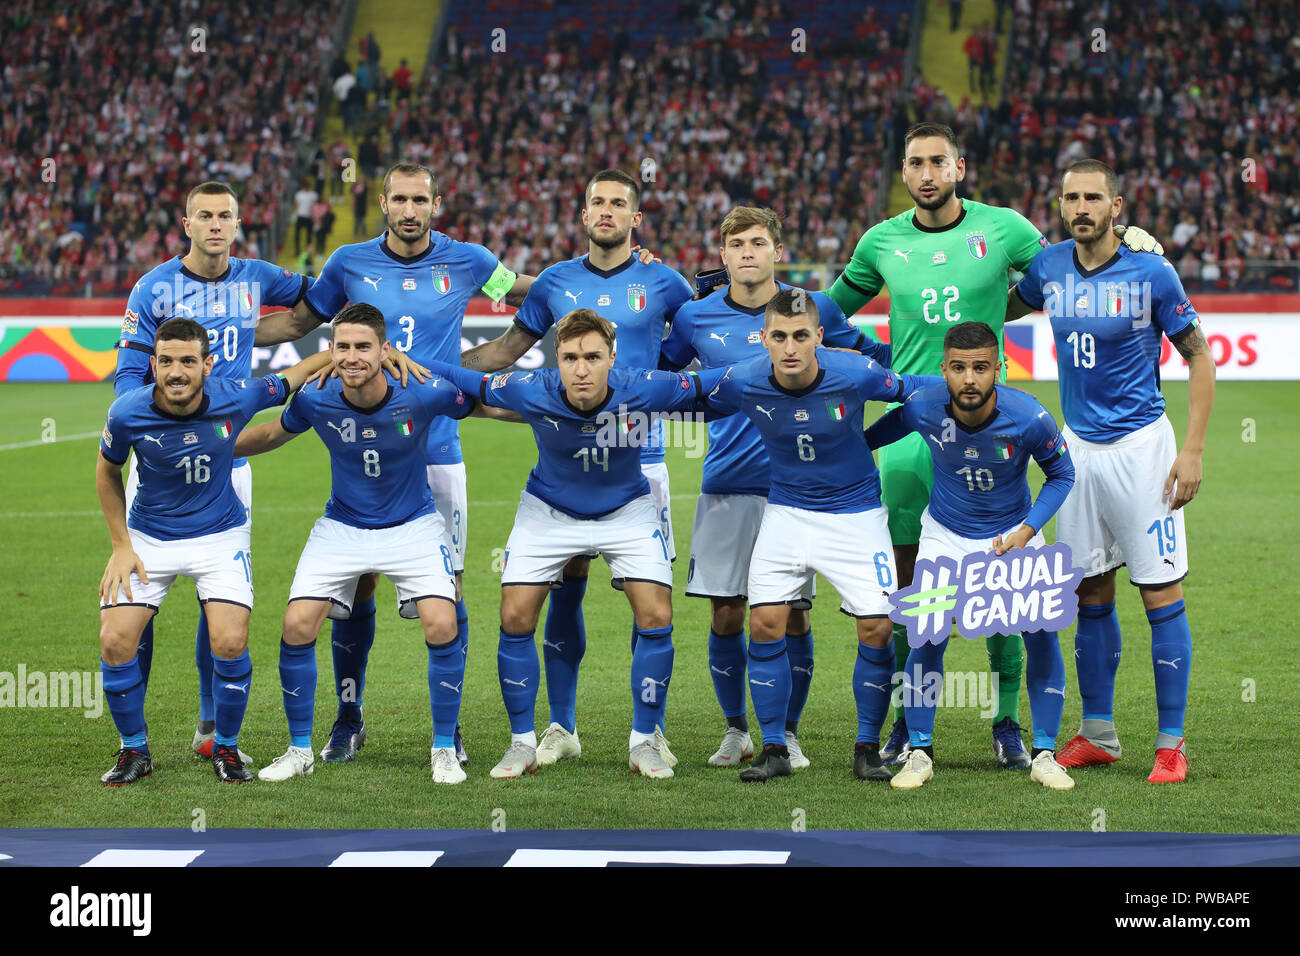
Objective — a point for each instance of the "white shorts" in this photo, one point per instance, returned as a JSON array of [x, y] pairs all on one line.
[[241, 476], [657, 474], [722, 543], [1116, 514], [221, 565], [544, 539], [415, 556], [940, 542], [447, 482], [852, 551]]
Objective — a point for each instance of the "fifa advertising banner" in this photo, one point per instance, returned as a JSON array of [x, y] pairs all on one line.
[[75, 340]]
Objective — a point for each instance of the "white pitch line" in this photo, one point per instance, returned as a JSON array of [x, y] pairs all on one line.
[[41, 441]]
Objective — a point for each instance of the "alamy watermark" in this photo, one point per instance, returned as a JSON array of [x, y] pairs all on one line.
[[80, 689]]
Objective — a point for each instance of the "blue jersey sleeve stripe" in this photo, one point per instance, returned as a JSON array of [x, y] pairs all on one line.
[[293, 431], [138, 346], [525, 329]]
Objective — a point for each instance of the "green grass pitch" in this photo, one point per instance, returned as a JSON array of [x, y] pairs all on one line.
[[1241, 719]]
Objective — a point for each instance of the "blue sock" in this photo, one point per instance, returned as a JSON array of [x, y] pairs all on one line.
[[202, 661], [1045, 679], [727, 668], [1171, 656], [564, 642], [769, 688], [922, 686], [873, 673], [519, 672], [446, 681], [298, 685], [652, 669], [350, 642], [1096, 659], [124, 688], [799, 648], [232, 679], [462, 638], [144, 654]]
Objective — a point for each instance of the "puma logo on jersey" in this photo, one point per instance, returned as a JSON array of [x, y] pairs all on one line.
[[937, 442], [451, 687], [374, 283], [548, 418], [1173, 663], [344, 647], [900, 252], [721, 338], [156, 441], [244, 689], [347, 431], [181, 306], [1053, 690], [765, 411], [884, 689], [572, 296], [718, 670], [763, 683], [515, 683], [291, 693], [725, 375], [558, 645], [796, 669]]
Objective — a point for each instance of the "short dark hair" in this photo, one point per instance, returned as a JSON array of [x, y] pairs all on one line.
[[210, 188], [969, 336], [408, 168], [792, 303], [1093, 166], [182, 330], [921, 130], [361, 313], [581, 321], [616, 176]]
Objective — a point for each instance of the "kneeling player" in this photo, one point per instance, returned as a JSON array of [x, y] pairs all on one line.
[[981, 436], [823, 515], [587, 494], [380, 518], [185, 520]]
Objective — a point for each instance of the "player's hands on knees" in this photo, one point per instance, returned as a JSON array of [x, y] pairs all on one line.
[[1186, 475], [399, 365], [118, 574], [645, 255], [1016, 539]]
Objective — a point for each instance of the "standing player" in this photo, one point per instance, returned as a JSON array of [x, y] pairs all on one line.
[[639, 299], [587, 494], [185, 519], [1108, 309], [823, 515], [946, 260], [421, 281], [723, 330], [981, 436], [225, 295], [380, 518]]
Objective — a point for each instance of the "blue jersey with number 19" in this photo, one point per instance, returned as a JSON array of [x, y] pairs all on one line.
[[1107, 324], [377, 466], [813, 435], [184, 462], [423, 299]]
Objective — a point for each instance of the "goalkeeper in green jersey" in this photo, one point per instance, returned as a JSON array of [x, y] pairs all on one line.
[[945, 260]]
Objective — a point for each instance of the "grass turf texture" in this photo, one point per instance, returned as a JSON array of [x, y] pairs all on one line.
[[1244, 564]]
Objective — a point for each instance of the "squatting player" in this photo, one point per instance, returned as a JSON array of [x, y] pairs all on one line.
[[823, 515], [639, 299], [587, 494], [380, 518], [981, 437], [719, 330], [185, 520], [1108, 309], [946, 260]]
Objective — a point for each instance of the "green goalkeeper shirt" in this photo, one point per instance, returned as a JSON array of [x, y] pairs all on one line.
[[936, 277]]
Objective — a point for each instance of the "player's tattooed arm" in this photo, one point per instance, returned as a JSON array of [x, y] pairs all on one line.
[[1184, 479], [519, 291], [124, 560], [286, 326], [502, 352]]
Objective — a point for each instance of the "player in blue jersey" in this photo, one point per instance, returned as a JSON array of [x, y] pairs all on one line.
[[1109, 307], [981, 437], [823, 515], [639, 299], [225, 295], [380, 518], [587, 494], [186, 519], [723, 329], [421, 280]]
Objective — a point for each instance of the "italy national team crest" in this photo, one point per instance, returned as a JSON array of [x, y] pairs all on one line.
[[636, 297], [224, 429], [976, 244], [441, 279], [1114, 300], [836, 409]]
